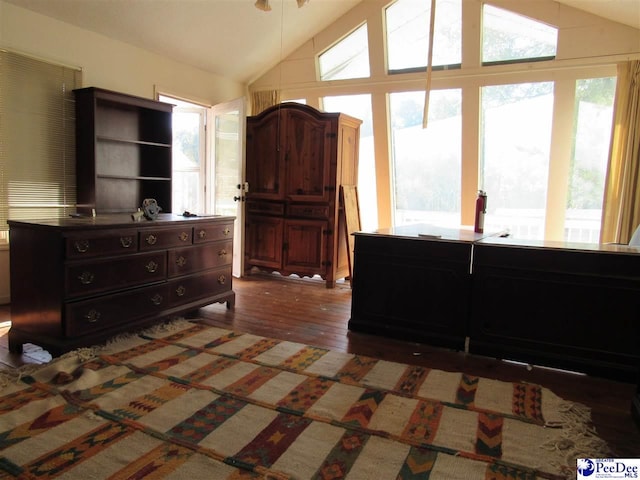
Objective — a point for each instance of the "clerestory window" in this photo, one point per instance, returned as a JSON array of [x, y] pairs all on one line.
[[407, 33], [348, 58], [509, 37]]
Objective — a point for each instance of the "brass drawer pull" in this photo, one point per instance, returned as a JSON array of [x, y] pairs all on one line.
[[226, 231], [184, 236], [92, 316], [86, 278], [202, 234], [180, 291], [156, 299], [151, 239], [222, 279], [151, 267], [82, 246], [181, 261], [126, 242], [222, 253]]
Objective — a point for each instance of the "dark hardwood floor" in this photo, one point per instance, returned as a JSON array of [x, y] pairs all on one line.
[[304, 310]]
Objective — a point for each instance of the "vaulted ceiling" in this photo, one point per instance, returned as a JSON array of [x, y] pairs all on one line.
[[231, 37]]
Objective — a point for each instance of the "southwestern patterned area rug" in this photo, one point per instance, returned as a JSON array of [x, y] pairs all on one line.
[[191, 401]]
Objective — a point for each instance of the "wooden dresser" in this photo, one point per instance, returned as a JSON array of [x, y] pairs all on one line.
[[78, 281]]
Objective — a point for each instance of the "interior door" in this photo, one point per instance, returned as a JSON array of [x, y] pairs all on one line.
[[227, 171]]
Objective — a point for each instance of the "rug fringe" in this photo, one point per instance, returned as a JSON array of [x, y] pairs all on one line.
[[126, 340], [577, 438], [10, 376], [14, 375]]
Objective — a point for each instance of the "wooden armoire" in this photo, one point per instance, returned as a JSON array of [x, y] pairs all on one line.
[[297, 159]]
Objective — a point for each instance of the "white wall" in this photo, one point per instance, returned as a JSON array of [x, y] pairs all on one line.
[[105, 63]]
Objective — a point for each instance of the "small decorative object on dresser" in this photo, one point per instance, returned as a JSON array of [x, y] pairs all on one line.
[[78, 281], [151, 208]]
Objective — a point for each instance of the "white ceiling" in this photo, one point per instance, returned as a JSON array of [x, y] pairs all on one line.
[[232, 38], [626, 12]]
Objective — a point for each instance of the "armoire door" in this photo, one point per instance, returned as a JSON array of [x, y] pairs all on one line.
[[309, 143], [304, 248], [265, 153], [263, 245]]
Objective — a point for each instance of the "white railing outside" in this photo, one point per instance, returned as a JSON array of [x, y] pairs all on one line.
[[580, 225]]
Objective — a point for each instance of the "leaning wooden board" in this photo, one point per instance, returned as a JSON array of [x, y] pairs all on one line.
[[351, 208]]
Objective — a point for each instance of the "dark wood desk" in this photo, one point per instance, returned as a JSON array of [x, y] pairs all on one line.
[[569, 306], [635, 404], [412, 287]]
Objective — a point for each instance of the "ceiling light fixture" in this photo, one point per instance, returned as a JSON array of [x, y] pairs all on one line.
[[265, 7]]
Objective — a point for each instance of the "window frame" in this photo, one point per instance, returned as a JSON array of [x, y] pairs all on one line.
[[510, 61], [336, 47], [418, 68]]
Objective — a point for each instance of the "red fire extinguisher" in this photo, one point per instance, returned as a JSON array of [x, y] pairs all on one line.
[[481, 210]]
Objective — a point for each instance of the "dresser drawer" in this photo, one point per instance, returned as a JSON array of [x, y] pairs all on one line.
[[182, 261], [207, 284], [154, 239], [90, 316], [86, 278], [211, 233], [90, 244]]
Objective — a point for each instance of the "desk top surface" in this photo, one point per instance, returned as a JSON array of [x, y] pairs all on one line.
[[113, 221], [558, 245], [426, 231]]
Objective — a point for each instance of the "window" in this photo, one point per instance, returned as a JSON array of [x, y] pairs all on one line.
[[508, 37], [426, 162], [542, 164], [515, 156], [407, 27], [359, 106], [188, 156], [348, 58], [592, 133], [37, 134]]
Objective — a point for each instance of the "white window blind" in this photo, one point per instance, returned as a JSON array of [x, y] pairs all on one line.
[[37, 139]]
